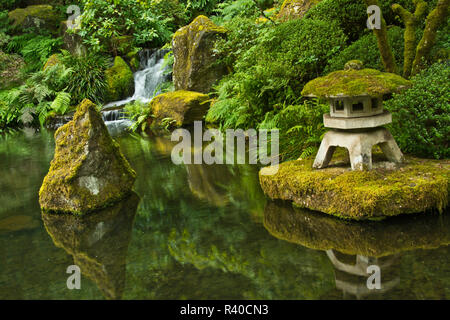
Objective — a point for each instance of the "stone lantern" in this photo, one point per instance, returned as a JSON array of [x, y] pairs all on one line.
[[356, 114]]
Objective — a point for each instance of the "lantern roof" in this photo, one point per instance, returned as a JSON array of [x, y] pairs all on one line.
[[355, 81]]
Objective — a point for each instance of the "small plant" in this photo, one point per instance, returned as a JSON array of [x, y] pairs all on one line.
[[139, 113]]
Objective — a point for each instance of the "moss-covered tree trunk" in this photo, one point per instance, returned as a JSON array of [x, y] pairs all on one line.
[[411, 21], [383, 45], [434, 19]]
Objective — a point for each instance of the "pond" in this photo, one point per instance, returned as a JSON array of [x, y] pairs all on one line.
[[202, 232]]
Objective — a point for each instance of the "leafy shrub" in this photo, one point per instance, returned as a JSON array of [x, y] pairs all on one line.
[[102, 20], [35, 49], [243, 34], [88, 76], [138, 112], [421, 114], [351, 15], [273, 71], [301, 128], [366, 50]]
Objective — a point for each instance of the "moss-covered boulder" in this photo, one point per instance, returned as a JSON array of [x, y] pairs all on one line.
[[37, 16], [184, 107], [295, 9], [10, 70], [195, 66], [120, 80], [99, 252], [88, 171], [418, 186], [369, 238]]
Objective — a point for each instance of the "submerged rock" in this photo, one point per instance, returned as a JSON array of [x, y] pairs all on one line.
[[98, 243], [195, 66], [88, 171], [419, 185], [184, 107]]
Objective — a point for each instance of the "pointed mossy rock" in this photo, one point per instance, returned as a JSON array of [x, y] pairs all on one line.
[[184, 107], [88, 171], [419, 185], [195, 67], [120, 81]]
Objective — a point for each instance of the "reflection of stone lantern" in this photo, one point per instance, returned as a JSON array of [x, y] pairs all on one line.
[[356, 114]]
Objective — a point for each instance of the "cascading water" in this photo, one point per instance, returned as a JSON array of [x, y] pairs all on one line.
[[147, 80]]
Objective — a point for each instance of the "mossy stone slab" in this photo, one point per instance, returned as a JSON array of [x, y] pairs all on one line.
[[417, 186]]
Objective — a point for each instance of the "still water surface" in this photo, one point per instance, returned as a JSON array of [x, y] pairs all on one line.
[[202, 232]]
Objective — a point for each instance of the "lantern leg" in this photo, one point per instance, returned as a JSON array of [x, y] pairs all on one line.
[[325, 153]]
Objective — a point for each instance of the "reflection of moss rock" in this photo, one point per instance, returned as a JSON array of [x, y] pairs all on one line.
[[52, 61], [184, 107], [98, 243], [207, 182], [88, 171], [353, 82], [39, 16], [418, 186], [10, 66], [295, 9], [120, 80], [194, 67], [375, 239]]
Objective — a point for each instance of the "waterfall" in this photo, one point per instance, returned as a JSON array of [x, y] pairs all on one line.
[[147, 79]]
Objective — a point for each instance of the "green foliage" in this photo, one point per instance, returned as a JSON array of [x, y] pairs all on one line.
[[366, 50], [301, 128], [231, 9], [103, 19], [273, 71], [138, 112], [421, 115], [35, 49], [88, 76], [44, 94], [243, 34], [351, 15]]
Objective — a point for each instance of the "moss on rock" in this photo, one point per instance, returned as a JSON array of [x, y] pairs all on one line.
[[39, 16], [88, 171], [373, 239], [120, 80], [295, 9], [353, 82], [418, 186], [52, 61], [194, 68], [184, 107]]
